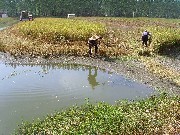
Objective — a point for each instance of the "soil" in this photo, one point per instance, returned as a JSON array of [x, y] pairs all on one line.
[[130, 68]]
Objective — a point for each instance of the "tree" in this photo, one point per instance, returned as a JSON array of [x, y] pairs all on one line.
[[117, 8]]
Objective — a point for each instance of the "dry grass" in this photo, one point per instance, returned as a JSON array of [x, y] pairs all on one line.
[[122, 36], [55, 37]]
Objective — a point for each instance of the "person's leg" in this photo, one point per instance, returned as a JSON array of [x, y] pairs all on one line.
[[90, 49], [143, 41], [96, 49], [146, 43]]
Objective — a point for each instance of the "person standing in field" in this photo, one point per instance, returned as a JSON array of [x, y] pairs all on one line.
[[94, 41], [145, 37]]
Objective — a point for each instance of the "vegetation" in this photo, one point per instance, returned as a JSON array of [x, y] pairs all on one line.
[[155, 115], [53, 37], [54, 30], [4, 22], [122, 36], [112, 8]]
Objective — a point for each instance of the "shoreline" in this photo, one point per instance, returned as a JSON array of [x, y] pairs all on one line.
[[131, 69]]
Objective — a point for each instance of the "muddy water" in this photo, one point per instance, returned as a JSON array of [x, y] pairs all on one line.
[[31, 91]]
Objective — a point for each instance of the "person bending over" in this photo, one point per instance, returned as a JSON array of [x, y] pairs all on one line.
[[94, 41]]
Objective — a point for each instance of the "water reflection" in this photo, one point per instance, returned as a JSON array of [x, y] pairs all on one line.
[[51, 66], [92, 77]]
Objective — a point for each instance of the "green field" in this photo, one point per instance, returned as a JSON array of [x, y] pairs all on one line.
[[4, 22]]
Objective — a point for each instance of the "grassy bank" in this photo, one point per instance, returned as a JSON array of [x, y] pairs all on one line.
[[155, 115]]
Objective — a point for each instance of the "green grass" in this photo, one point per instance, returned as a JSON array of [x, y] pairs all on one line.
[[155, 115], [4, 22]]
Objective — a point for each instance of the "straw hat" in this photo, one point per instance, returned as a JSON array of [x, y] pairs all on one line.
[[94, 37]]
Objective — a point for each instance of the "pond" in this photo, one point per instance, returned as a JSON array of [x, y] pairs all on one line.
[[31, 91]]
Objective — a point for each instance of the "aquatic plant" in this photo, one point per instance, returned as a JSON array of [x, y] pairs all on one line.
[[155, 115]]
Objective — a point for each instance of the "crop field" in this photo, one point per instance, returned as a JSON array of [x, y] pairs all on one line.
[[53, 30], [67, 36], [121, 36]]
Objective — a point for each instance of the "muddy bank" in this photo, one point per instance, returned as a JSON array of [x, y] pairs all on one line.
[[130, 68]]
